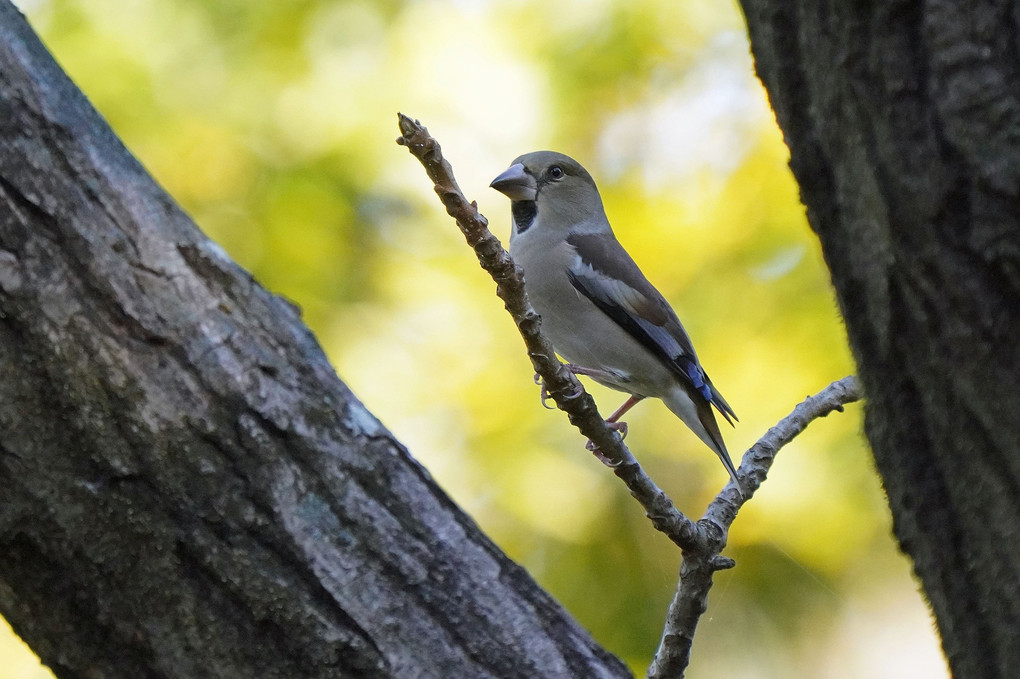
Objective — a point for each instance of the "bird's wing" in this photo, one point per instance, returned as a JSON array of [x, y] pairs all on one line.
[[606, 275]]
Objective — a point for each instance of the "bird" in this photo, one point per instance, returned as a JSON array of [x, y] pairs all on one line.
[[598, 309]]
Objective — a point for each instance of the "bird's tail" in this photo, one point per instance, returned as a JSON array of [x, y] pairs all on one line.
[[701, 421], [721, 405], [716, 443]]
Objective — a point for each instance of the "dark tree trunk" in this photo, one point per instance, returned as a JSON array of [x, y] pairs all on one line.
[[186, 488], [903, 121]]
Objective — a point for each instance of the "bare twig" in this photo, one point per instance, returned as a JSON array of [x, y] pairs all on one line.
[[701, 543], [691, 598], [758, 459], [564, 388]]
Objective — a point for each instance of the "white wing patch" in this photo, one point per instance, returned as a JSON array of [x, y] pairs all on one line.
[[616, 293]]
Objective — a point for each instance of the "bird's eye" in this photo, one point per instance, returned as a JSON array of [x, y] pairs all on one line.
[[556, 173]]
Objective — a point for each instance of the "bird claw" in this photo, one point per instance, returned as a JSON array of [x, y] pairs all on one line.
[[618, 427], [603, 459], [543, 393], [546, 396]]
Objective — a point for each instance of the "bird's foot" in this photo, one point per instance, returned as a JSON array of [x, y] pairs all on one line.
[[619, 427], [594, 373], [543, 393], [546, 396]]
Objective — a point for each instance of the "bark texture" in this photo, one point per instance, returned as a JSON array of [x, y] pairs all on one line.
[[903, 121], [186, 487]]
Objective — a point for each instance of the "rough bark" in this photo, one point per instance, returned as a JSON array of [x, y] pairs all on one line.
[[903, 121], [186, 487]]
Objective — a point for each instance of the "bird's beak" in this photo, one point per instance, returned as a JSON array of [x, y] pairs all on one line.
[[516, 184]]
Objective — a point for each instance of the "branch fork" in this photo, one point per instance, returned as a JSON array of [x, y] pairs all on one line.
[[701, 542]]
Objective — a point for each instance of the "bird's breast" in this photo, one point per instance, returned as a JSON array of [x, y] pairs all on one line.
[[581, 333]]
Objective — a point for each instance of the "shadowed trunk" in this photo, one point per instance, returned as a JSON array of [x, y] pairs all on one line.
[[903, 122], [186, 488]]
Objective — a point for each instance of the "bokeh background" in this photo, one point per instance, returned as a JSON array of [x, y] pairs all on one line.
[[272, 123]]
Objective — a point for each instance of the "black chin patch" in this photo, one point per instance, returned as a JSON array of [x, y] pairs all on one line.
[[524, 212]]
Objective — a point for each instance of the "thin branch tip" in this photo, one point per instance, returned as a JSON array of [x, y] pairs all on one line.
[[412, 132], [408, 125]]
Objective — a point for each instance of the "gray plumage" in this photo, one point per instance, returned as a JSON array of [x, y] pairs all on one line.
[[597, 308]]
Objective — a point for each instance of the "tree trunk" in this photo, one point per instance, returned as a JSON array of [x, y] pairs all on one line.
[[186, 488], [903, 122]]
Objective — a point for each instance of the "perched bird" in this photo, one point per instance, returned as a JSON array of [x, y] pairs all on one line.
[[598, 309]]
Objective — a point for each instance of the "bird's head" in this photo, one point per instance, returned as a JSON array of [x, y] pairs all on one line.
[[553, 191]]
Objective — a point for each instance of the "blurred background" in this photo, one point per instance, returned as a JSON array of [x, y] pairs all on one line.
[[273, 124]]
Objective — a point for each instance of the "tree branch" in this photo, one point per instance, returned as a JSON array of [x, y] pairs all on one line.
[[701, 543], [186, 487], [565, 389], [699, 565]]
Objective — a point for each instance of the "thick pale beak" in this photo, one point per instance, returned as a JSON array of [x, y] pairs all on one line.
[[516, 184]]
